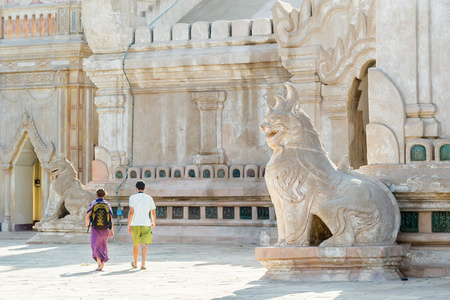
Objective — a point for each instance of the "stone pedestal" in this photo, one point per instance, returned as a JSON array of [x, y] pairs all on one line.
[[60, 238], [363, 263]]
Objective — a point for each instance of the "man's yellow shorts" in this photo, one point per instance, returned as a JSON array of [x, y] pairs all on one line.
[[141, 235]]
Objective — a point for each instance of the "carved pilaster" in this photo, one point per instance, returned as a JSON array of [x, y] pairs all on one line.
[[113, 129], [63, 20], [45, 187], [210, 105], [420, 121], [336, 108], [7, 225]]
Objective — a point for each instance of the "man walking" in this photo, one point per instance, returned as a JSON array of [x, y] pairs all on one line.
[[139, 223]]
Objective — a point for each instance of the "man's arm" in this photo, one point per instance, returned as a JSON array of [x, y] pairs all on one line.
[[153, 218], [130, 217]]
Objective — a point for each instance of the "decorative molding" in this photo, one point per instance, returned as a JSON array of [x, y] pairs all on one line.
[[43, 151], [355, 45], [349, 56], [293, 27], [63, 20]]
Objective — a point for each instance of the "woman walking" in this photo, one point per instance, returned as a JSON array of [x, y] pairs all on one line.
[[102, 227]]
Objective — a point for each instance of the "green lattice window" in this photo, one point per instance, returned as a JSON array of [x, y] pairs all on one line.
[[133, 174], [162, 174], [228, 213], [177, 174], [236, 173], [119, 175], [418, 153], [251, 173], [161, 212], [206, 174], [194, 213], [444, 152], [177, 212], [191, 173], [221, 173], [211, 212], [148, 174], [440, 221], [263, 213], [246, 212], [409, 221]]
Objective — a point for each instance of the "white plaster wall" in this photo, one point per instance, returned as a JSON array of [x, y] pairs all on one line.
[[241, 138], [167, 129], [440, 61], [396, 44]]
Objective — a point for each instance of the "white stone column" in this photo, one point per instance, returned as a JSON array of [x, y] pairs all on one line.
[[7, 225], [45, 187], [210, 105]]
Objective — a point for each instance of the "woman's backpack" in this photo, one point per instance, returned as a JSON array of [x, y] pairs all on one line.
[[101, 217]]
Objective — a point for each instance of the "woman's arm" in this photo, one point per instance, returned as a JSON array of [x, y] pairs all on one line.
[[87, 218]]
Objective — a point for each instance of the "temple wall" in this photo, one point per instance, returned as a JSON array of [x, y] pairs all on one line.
[[45, 96]]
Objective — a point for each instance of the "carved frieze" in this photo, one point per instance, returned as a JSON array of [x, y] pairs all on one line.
[[41, 78], [12, 80]]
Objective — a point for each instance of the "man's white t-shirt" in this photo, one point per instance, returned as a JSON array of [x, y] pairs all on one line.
[[142, 204]]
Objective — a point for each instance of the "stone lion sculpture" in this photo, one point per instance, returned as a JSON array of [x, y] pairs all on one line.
[[68, 200], [316, 202]]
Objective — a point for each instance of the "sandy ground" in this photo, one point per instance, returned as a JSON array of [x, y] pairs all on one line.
[[174, 271]]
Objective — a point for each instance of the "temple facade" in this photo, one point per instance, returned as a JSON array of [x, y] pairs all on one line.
[[177, 100]]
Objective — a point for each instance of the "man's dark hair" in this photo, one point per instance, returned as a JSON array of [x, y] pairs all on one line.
[[140, 185], [101, 193]]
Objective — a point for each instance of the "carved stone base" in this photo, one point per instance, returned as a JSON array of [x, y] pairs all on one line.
[[6, 226], [364, 263], [60, 238], [61, 225], [427, 261]]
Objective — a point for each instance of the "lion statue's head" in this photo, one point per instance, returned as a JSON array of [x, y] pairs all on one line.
[[60, 165], [287, 126]]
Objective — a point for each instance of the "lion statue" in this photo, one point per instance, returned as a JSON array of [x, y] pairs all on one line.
[[317, 203], [68, 200]]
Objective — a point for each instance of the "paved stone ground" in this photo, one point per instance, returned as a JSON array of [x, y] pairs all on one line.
[[174, 271]]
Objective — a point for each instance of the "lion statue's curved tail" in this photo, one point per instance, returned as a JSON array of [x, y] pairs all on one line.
[[308, 189]]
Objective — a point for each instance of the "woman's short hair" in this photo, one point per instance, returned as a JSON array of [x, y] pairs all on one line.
[[101, 193]]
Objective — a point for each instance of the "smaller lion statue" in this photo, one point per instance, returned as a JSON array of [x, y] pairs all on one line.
[[317, 203], [68, 200]]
